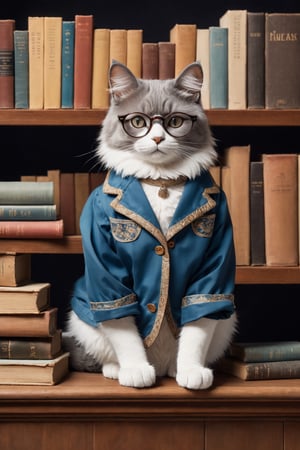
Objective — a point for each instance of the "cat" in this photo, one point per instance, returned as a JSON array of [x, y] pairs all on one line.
[[156, 297]]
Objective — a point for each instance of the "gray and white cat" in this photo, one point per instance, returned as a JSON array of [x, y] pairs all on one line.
[[156, 297]]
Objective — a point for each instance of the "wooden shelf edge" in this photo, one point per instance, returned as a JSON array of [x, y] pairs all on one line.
[[94, 117]]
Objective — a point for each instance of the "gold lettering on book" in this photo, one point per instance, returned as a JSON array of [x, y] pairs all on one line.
[[275, 36]]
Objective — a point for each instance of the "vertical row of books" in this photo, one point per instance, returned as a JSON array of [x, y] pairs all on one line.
[[31, 350], [263, 198]]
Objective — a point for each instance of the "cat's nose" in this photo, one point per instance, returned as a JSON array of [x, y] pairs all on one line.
[[158, 139]]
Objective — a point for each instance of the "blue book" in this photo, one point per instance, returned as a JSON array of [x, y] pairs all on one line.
[[67, 68], [218, 56], [21, 61], [28, 212]]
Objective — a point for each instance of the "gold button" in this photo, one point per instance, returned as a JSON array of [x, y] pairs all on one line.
[[171, 244], [159, 250], [151, 307]]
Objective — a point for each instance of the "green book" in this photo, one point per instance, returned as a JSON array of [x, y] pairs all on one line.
[[265, 351], [26, 192], [218, 51], [21, 60]]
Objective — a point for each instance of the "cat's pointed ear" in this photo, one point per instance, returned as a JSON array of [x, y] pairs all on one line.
[[190, 81], [121, 80]]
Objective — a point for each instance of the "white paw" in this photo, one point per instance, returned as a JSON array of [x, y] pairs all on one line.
[[111, 370], [195, 377], [142, 375]]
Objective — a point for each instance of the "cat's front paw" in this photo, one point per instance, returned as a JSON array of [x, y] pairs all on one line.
[[139, 376], [111, 370], [195, 377]]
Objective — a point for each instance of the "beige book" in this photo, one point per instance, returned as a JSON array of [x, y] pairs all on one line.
[[236, 22], [15, 269], [118, 46], [28, 298], [101, 45], [184, 36], [36, 62], [202, 56], [281, 208], [134, 51], [238, 159], [52, 62]]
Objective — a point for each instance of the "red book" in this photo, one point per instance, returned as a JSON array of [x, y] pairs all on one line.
[[7, 27], [83, 61], [150, 61], [46, 229]]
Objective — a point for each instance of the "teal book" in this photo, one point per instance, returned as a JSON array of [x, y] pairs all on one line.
[[21, 61], [28, 212], [67, 72], [26, 193], [218, 56]]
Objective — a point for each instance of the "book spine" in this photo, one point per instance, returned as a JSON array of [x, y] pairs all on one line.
[[203, 56], [47, 229], [26, 193], [273, 370], [134, 51], [286, 351], [15, 269], [257, 215], [36, 62], [42, 325], [27, 212], [67, 63], [166, 60], [82, 190], [29, 348], [52, 62], [7, 27], [218, 54], [118, 46], [67, 202], [184, 36], [21, 59], [255, 60], [83, 54], [150, 61], [100, 93]]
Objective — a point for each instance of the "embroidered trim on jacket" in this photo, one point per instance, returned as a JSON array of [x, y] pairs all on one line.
[[123, 301], [205, 298]]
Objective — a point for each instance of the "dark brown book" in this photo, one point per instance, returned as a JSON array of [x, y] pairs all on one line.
[[282, 61], [38, 229], [15, 269], [255, 60], [43, 324], [166, 60], [67, 202], [257, 214], [83, 57], [7, 28], [150, 61], [281, 209], [96, 179], [31, 348]]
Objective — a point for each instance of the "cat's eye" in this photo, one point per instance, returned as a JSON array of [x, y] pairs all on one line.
[[138, 122], [175, 122]]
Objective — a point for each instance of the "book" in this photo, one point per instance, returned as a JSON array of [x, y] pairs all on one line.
[[265, 351], [215, 172], [257, 214], [28, 298], [21, 62], [218, 67], [166, 60], [96, 179], [36, 62], [43, 324], [32, 229], [134, 51], [15, 269], [28, 212], [26, 193], [281, 208], [255, 60], [100, 93], [184, 36], [238, 159], [34, 371], [83, 59], [299, 208], [7, 27], [236, 22], [118, 46], [67, 64], [52, 62], [82, 191], [282, 45], [203, 56], [150, 61], [260, 370], [54, 176], [31, 348], [67, 202]]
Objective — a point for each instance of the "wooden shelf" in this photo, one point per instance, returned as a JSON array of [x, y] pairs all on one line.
[[94, 117]]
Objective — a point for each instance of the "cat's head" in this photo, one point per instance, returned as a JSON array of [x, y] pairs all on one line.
[[156, 128]]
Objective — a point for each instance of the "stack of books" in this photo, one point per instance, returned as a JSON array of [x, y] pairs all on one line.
[[262, 360], [30, 343], [28, 210]]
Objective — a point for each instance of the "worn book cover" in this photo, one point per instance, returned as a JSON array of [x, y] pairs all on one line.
[[26, 193], [265, 351], [43, 324], [15, 269], [282, 61], [255, 60], [7, 27], [118, 46], [31, 348], [184, 36], [28, 298], [31, 229]]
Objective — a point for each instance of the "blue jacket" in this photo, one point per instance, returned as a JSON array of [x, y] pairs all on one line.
[[131, 268]]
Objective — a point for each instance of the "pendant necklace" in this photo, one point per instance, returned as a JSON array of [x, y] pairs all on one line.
[[164, 184]]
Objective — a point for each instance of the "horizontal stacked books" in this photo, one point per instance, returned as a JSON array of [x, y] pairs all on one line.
[[28, 210], [262, 360], [30, 342]]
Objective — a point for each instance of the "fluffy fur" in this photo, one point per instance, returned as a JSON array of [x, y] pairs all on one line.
[[115, 346]]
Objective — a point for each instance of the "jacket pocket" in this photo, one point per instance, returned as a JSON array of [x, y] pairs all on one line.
[[124, 230], [204, 226]]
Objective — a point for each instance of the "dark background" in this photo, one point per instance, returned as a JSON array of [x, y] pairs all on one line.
[[265, 312]]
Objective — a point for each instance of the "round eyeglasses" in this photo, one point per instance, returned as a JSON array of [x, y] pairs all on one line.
[[176, 124]]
